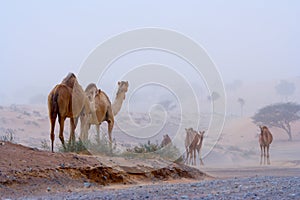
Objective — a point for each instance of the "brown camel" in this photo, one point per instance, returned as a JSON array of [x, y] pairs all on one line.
[[66, 100], [101, 110], [120, 96], [166, 140], [265, 139], [193, 144]]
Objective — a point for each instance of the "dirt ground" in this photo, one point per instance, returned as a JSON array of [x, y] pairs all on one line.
[[26, 171], [30, 171]]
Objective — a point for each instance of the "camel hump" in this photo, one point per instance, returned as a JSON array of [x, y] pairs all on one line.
[[70, 80], [91, 86]]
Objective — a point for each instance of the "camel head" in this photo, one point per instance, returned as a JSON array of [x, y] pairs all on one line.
[[123, 87], [167, 137], [262, 128], [201, 133], [91, 91], [189, 130]]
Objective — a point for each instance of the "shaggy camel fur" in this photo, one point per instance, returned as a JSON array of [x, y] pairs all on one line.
[[66, 100], [166, 140], [193, 144], [101, 110], [265, 139]]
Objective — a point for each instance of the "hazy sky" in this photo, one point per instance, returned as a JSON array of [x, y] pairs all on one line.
[[41, 41]]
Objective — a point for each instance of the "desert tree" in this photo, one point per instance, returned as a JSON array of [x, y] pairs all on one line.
[[285, 88], [279, 115], [241, 101]]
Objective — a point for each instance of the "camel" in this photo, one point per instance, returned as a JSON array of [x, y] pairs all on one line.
[[166, 140], [91, 91], [199, 146], [66, 100], [193, 143], [101, 110], [188, 140], [265, 139], [120, 96]]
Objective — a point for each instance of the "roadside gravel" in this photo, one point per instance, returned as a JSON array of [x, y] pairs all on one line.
[[266, 187]]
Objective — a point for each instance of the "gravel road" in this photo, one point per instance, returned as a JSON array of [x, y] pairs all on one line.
[[266, 187]]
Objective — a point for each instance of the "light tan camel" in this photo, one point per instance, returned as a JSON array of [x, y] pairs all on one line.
[[265, 139], [187, 142], [120, 96], [91, 91], [101, 110], [199, 146], [66, 100], [193, 144], [166, 140]]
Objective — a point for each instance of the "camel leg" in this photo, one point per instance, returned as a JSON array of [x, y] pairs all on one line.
[[192, 157], [52, 136], [189, 157], [86, 132], [72, 133], [195, 157], [265, 155], [186, 160], [268, 155], [98, 133], [110, 127], [82, 127], [61, 121], [261, 154], [200, 158]]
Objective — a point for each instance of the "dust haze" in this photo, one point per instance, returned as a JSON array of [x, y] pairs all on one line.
[[254, 45]]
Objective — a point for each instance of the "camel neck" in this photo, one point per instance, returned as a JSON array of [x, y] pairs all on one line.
[[117, 104]]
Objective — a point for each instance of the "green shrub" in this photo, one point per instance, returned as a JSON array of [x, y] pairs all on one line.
[[151, 150]]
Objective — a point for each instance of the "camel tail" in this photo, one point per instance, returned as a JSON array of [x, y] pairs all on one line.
[[53, 106], [53, 112]]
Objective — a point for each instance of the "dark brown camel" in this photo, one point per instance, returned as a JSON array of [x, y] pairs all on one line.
[[166, 140], [66, 100]]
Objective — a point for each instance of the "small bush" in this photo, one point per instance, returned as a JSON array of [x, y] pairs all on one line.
[[99, 147], [9, 135], [78, 146], [150, 150], [44, 145]]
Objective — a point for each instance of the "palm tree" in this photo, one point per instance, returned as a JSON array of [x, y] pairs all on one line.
[[213, 97], [241, 101]]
